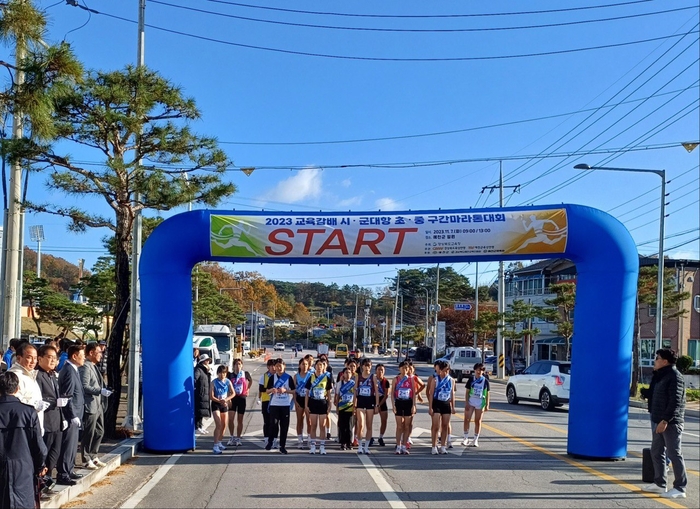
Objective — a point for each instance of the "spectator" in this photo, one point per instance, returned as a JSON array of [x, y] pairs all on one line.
[[9, 356], [668, 416], [29, 392], [103, 362], [70, 386], [47, 378], [95, 402], [22, 451], [202, 383], [195, 357], [63, 357]]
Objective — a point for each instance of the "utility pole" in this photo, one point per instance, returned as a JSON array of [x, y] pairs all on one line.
[[396, 306], [437, 311], [501, 279], [354, 325], [13, 262], [476, 306], [133, 420]]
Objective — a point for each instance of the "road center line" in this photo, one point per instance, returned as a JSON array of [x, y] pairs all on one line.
[[137, 497]]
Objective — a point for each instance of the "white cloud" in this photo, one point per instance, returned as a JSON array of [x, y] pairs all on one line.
[[346, 183], [387, 204], [683, 255], [302, 186], [349, 202]]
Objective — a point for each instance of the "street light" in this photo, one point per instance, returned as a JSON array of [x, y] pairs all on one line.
[[660, 274], [36, 234]]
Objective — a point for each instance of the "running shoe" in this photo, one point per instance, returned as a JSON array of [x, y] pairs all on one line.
[[231, 441], [674, 493], [238, 441], [323, 449], [268, 446], [300, 443], [399, 450], [449, 445], [465, 442], [355, 443], [371, 441], [404, 450], [381, 442], [312, 449], [409, 441], [283, 450], [366, 449], [222, 446], [653, 488], [475, 443], [276, 444], [443, 450], [200, 431], [328, 436], [434, 450], [360, 450], [216, 449]]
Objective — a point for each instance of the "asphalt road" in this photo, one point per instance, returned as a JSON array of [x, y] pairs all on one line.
[[521, 462]]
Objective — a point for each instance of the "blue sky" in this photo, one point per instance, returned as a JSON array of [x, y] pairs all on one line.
[[290, 89]]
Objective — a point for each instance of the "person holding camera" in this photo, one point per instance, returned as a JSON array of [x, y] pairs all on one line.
[[96, 395]]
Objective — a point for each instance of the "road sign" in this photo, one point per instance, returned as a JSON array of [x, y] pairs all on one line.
[[462, 306]]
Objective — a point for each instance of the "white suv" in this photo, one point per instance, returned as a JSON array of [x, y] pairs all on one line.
[[545, 381], [279, 347]]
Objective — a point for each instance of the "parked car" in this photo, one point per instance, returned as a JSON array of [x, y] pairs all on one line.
[[341, 351], [279, 347], [516, 367], [298, 347], [547, 382]]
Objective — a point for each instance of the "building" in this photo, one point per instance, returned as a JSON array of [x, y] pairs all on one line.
[[532, 284]]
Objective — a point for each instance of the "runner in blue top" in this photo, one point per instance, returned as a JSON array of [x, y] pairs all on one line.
[[441, 404], [477, 400], [301, 378], [317, 404], [220, 392]]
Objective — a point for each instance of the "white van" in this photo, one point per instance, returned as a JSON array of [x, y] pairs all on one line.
[[462, 360]]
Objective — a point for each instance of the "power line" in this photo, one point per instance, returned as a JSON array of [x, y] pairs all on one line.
[[397, 59], [429, 16], [420, 30], [679, 234]]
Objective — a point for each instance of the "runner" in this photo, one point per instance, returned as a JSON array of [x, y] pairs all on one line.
[[404, 399], [265, 398], [344, 396], [302, 376], [366, 404], [280, 387], [419, 386], [241, 382], [351, 363], [441, 404], [318, 397], [329, 369], [384, 387], [476, 402], [220, 393]]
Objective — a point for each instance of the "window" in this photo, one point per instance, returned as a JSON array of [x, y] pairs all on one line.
[[648, 350], [694, 350], [696, 303], [651, 310]]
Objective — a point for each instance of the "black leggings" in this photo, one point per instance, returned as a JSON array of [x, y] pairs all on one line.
[[345, 428], [266, 418], [279, 424]]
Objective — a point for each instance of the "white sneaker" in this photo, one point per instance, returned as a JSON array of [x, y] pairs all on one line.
[[399, 450], [99, 463], [231, 441], [222, 446], [409, 441], [90, 465], [404, 450], [674, 493], [434, 450], [238, 441], [276, 443], [312, 449], [465, 442], [200, 431], [323, 449], [360, 450], [216, 449], [475, 443], [653, 488], [300, 443], [443, 450]]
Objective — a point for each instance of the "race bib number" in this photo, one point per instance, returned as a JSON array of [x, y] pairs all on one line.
[[238, 389], [319, 393], [346, 398], [303, 392], [478, 392], [365, 391], [404, 394], [282, 398], [444, 396]]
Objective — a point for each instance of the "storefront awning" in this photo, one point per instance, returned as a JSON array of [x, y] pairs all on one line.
[[551, 341]]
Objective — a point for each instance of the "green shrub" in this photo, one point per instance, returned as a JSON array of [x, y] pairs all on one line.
[[692, 394], [684, 363], [692, 371]]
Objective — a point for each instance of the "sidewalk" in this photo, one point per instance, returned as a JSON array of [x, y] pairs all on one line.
[[113, 452]]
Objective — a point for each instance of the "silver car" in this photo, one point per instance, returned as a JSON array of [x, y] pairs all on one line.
[[546, 382]]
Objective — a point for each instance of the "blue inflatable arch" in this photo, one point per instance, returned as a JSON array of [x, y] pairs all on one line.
[[600, 246]]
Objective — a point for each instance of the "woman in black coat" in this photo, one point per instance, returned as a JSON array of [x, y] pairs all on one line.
[[22, 451], [202, 401]]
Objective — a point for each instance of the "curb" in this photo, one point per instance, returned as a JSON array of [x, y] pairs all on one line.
[[114, 459]]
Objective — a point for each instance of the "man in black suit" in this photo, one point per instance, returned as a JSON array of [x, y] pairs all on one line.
[[70, 386], [47, 378]]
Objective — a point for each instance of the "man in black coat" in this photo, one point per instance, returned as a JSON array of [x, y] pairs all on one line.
[[70, 386], [22, 451], [47, 378], [202, 400], [667, 417]]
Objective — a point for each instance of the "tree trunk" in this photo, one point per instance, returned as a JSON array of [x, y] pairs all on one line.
[[36, 321], [119, 324]]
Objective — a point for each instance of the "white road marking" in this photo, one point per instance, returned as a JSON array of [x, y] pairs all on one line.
[[137, 497], [382, 483]]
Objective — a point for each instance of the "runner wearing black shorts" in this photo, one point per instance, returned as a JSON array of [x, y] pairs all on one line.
[[441, 400], [366, 403], [318, 393]]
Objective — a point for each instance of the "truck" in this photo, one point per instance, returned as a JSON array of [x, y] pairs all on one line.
[[225, 341], [462, 360]]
